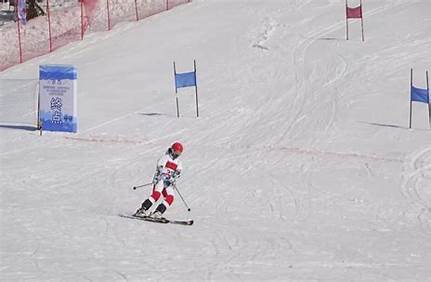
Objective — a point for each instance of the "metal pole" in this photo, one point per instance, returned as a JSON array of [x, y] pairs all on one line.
[[142, 185], [347, 24], [49, 26], [175, 187], [362, 22], [82, 20], [178, 107], [176, 91], [411, 84], [136, 10], [196, 90], [109, 16], [39, 124], [19, 32], [429, 105]]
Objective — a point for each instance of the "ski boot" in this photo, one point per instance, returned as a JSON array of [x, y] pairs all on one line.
[[156, 215], [141, 213]]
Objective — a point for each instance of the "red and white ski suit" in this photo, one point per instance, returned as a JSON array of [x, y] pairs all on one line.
[[168, 170]]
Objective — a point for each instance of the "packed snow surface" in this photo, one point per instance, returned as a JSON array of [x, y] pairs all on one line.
[[301, 165]]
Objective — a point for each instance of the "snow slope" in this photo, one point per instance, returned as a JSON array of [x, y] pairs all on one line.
[[301, 166]]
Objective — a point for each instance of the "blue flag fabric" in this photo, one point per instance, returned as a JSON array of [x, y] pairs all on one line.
[[419, 95], [185, 79], [22, 11], [57, 72]]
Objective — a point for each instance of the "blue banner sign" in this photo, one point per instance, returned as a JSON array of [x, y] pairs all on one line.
[[57, 98]]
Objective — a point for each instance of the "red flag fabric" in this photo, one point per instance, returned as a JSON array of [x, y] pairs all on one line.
[[354, 13]]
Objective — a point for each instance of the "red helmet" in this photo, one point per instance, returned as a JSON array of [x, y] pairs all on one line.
[[177, 148]]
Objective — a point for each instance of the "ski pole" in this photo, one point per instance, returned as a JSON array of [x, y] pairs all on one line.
[[175, 187], [142, 185]]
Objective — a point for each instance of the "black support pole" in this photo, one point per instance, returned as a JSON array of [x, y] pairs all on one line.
[[429, 102], [176, 92], [362, 22], [196, 91], [347, 23], [411, 84]]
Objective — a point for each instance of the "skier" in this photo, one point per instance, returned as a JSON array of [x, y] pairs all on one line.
[[167, 172]]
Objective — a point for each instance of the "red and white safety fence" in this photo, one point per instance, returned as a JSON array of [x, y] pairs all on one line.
[[63, 24]]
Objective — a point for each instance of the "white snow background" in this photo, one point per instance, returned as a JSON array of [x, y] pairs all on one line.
[[301, 165]]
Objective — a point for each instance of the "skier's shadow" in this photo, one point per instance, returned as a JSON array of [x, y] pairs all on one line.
[[328, 38], [19, 127], [152, 114]]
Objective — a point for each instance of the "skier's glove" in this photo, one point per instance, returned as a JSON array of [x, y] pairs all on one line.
[[176, 175], [155, 178]]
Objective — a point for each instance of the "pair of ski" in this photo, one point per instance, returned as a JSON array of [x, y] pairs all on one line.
[[158, 220]]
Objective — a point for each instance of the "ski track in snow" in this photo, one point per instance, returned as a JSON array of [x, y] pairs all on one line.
[[302, 89], [304, 86], [415, 187]]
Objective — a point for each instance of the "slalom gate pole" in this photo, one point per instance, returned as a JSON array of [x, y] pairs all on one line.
[[429, 101], [196, 91], [347, 23], [362, 22], [176, 91], [142, 185], [411, 84], [175, 187]]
